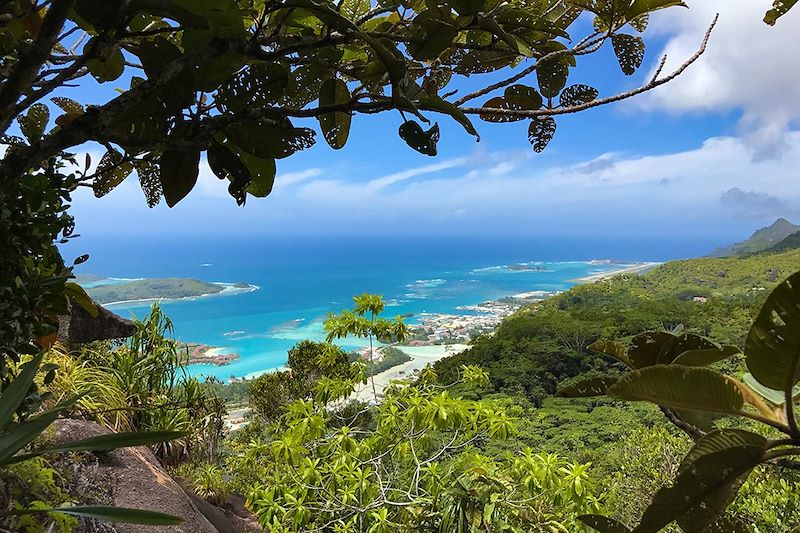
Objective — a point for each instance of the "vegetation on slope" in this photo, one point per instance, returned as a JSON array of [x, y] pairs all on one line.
[[792, 242], [761, 240], [146, 289]]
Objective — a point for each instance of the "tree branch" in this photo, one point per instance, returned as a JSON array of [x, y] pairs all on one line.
[[32, 60]]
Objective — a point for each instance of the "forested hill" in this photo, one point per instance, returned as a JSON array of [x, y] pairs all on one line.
[[763, 239], [540, 346]]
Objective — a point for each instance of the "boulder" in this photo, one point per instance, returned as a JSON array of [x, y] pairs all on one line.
[[126, 477]]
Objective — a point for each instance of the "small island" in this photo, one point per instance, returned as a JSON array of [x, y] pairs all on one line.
[[113, 291], [203, 354]]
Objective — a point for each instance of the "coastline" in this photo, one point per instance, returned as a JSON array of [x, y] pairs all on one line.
[[421, 356], [638, 268], [228, 289]]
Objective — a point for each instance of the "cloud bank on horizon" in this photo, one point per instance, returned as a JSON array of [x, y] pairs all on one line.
[[743, 175]]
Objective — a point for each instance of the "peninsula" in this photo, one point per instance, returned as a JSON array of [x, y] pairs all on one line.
[[110, 291]]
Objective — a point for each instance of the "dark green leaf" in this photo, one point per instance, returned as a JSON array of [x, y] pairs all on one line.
[[179, 172], [432, 35], [20, 435], [15, 393], [775, 396], [34, 122], [499, 102], [629, 50], [640, 7], [107, 68], [680, 387], [420, 140], [540, 132], [577, 94], [523, 97], [113, 514], [111, 441], [149, 180], [707, 480], [705, 357], [335, 126], [435, 103], [111, 171], [270, 140], [773, 343]]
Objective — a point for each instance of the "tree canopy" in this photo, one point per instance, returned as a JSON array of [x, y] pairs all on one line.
[[243, 80]]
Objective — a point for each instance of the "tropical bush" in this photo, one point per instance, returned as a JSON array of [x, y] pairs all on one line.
[[672, 371]]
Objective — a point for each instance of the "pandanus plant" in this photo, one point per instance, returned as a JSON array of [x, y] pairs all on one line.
[[671, 370], [16, 434]]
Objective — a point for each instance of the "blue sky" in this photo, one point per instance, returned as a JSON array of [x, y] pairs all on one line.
[[714, 154]]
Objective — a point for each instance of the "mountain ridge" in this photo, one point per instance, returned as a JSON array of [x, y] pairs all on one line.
[[761, 240]]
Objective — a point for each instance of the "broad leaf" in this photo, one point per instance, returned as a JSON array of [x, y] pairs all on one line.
[[541, 132], [111, 171], [773, 343], [613, 349], [707, 480], [113, 514], [179, 172], [432, 36], [149, 180], [587, 388], [640, 7], [705, 357], [629, 50], [680, 387], [335, 126], [111, 441], [34, 122], [777, 397], [576, 95], [420, 140], [77, 294], [109, 67], [646, 348]]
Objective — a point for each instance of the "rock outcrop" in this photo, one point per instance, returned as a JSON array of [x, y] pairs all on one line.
[[127, 477]]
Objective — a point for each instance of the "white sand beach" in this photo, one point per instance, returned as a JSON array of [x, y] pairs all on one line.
[[422, 356], [638, 268]]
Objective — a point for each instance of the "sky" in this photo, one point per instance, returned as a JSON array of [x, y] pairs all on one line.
[[712, 154]]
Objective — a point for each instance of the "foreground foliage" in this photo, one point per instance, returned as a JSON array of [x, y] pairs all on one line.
[[231, 80], [671, 370]]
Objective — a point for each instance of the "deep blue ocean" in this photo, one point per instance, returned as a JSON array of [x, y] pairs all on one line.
[[301, 279]]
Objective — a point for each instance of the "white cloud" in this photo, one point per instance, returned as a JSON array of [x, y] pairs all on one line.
[[748, 66]]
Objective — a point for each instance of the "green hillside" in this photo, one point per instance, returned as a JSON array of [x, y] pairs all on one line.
[[761, 240], [792, 242], [540, 346]]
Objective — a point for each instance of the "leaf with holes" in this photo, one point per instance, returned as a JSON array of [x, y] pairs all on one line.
[[111, 171], [613, 349], [270, 140], [149, 180], [541, 132], [179, 172], [638, 8], [629, 51], [335, 126], [576, 95], [500, 102], [420, 140], [355, 9], [587, 388], [772, 347], [262, 172], [523, 97], [552, 76], [34, 122], [640, 23]]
